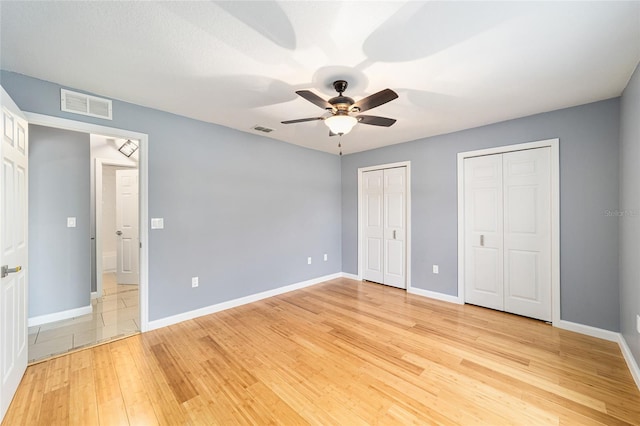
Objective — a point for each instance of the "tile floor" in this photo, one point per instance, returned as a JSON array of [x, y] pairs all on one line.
[[115, 314]]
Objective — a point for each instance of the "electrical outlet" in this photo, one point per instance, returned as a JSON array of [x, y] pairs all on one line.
[[308, 261], [436, 269], [325, 257], [71, 222], [194, 282], [638, 323]]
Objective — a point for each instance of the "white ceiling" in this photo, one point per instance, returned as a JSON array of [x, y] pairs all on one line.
[[455, 65]]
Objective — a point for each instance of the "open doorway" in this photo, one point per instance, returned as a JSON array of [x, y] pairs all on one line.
[[115, 290], [112, 289]]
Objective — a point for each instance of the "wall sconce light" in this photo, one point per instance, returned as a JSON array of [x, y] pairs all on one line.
[[128, 148]]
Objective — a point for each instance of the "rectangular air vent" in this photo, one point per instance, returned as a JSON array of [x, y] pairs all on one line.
[[263, 129], [79, 103]]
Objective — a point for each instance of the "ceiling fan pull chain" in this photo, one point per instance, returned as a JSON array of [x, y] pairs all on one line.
[[340, 146]]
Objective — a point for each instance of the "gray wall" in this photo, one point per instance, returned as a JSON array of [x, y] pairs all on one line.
[[241, 211], [59, 261], [630, 208], [589, 159]]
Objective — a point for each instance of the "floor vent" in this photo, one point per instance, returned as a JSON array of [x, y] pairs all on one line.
[[263, 129], [79, 103]]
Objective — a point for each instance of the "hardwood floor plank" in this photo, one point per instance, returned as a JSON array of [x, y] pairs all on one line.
[[56, 404], [26, 406], [135, 396], [111, 408], [83, 404], [340, 352], [176, 378]]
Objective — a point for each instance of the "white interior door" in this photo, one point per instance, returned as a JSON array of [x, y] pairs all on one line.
[[507, 207], [483, 212], [373, 229], [13, 249], [395, 187], [127, 226], [527, 233]]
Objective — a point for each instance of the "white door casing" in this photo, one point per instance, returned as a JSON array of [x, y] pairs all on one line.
[[483, 231], [13, 249], [507, 253], [383, 225], [127, 226]]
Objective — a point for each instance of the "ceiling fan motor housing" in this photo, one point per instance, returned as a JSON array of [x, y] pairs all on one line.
[[341, 103]]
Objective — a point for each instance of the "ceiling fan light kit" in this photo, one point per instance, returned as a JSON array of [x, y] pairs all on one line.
[[340, 124], [341, 107]]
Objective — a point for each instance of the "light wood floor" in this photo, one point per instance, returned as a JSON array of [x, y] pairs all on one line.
[[338, 353]]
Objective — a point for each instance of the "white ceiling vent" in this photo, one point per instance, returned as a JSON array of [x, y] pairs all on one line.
[[79, 103]]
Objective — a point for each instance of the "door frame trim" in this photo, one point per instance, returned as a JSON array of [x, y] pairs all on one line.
[[554, 145], [361, 170], [97, 182], [143, 170]]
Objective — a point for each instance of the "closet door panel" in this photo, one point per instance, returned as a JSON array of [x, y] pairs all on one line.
[[527, 232], [373, 226], [395, 226], [483, 210]]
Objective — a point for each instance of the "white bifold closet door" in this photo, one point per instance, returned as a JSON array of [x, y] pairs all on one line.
[[384, 228], [508, 232]]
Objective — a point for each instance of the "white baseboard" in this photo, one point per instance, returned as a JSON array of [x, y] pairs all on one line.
[[351, 276], [58, 316], [600, 333], [164, 322], [435, 295], [631, 361]]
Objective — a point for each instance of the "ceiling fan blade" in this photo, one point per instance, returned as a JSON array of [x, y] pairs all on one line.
[[301, 120], [376, 121], [375, 100], [314, 99]]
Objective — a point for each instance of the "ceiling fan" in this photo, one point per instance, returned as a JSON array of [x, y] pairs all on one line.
[[340, 122]]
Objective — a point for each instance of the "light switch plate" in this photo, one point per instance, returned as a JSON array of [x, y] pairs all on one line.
[[638, 323], [436, 269], [157, 223], [71, 222], [195, 282], [308, 261]]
